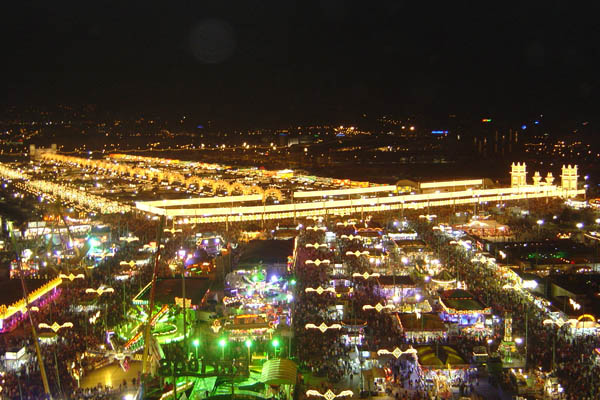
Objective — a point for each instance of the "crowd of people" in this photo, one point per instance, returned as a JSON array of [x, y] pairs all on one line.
[[327, 354], [572, 355], [62, 351]]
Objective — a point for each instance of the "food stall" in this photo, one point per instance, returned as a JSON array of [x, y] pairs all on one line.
[[422, 328], [461, 307]]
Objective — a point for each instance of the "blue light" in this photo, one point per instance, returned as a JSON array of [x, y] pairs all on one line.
[[536, 122], [439, 132], [200, 127], [523, 127]]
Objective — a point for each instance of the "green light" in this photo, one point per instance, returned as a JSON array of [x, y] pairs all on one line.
[[248, 343], [275, 343], [196, 342], [293, 282], [222, 343]]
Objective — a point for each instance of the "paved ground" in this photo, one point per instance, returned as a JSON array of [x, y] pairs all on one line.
[[112, 375]]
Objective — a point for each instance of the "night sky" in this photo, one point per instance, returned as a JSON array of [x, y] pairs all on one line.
[[303, 60]]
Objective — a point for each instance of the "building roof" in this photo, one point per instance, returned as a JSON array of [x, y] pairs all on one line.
[[578, 284], [439, 356], [11, 290], [444, 276], [400, 280], [169, 288], [461, 300], [411, 243], [279, 371], [267, 252], [427, 323]]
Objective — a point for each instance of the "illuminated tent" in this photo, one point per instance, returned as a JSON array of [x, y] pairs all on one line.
[[458, 301], [430, 357], [279, 372]]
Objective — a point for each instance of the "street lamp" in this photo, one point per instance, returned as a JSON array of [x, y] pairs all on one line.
[[71, 277], [329, 395], [539, 222], [222, 344], [129, 239], [196, 343], [318, 262], [397, 352], [489, 342], [275, 344], [55, 326], [579, 225], [378, 307], [316, 245], [248, 344], [366, 275], [320, 290], [130, 263], [323, 327], [558, 324], [100, 291]]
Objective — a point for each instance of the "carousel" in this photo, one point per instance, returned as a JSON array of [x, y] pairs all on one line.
[[444, 280]]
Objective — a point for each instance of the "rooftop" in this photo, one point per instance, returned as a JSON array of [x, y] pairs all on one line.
[[265, 252], [169, 288]]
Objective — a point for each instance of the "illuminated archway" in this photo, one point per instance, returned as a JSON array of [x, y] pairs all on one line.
[[272, 193], [254, 190], [238, 188], [224, 185]]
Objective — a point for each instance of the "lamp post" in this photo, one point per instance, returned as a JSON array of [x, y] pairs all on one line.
[[196, 343], [539, 222], [99, 292], [489, 342], [222, 344], [248, 344], [275, 344], [519, 341], [558, 325]]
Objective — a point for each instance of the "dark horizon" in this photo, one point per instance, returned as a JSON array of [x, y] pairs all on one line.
[[259, 62]]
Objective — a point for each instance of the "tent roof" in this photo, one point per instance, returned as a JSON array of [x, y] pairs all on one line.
[[427, 323], [444, 276], [265, 252], [428, 356], [399, 280], [279, 372], [11, 290], [169, 288], [460, 300], [457, 294]]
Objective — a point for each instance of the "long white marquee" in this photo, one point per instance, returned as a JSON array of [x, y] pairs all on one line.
[[445, 184], [350, 206]]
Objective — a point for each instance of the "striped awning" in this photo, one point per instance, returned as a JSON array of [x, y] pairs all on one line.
[[279, 372]]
